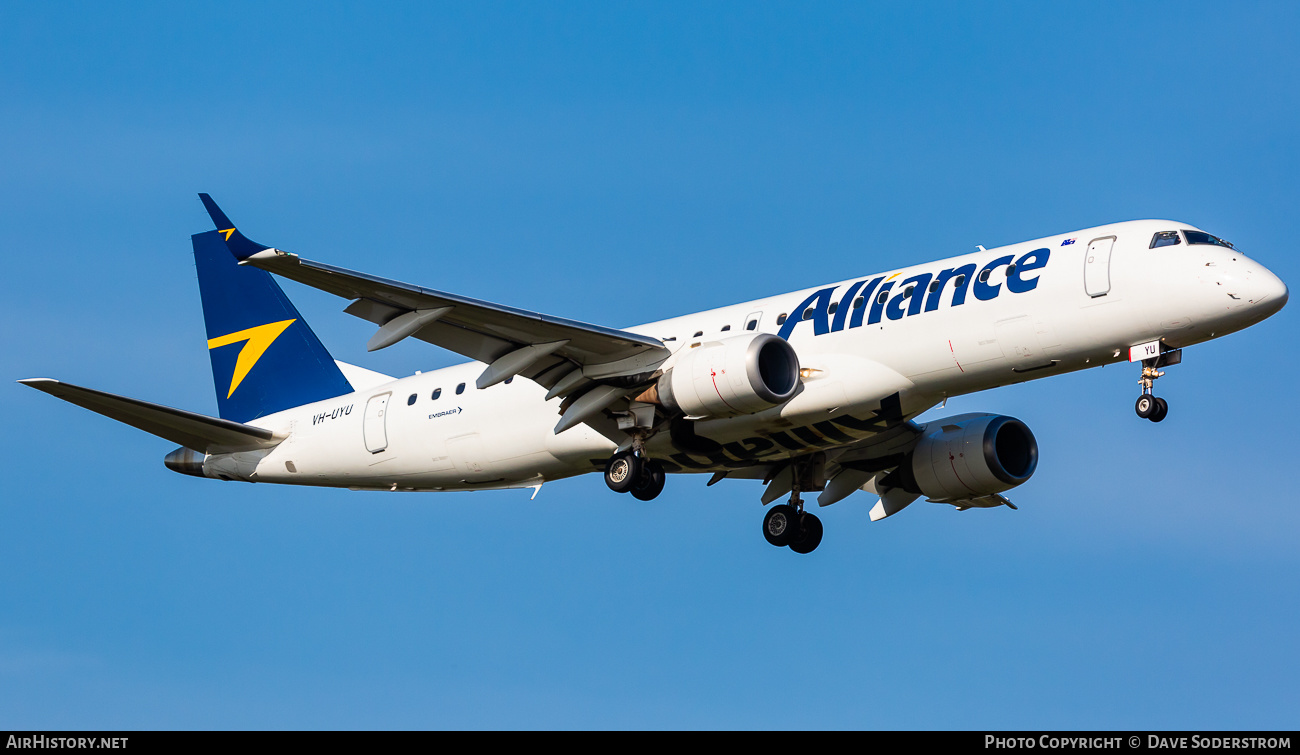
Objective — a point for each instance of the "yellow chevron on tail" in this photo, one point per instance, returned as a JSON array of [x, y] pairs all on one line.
[[259, 340]]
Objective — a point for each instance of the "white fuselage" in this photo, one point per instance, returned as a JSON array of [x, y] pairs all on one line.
[[1065, 307]]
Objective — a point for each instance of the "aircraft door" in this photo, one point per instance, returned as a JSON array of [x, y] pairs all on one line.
[[374, 426], [1096, 267]]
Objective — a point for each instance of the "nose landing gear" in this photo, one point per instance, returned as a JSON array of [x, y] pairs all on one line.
[[1149, 406]]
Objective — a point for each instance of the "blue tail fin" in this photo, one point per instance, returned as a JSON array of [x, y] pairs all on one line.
[[264, 357]]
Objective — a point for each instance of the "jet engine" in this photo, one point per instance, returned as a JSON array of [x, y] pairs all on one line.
[[969, 456], [728, 378]]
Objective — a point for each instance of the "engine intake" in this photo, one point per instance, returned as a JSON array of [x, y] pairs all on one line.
[[972, 455], [728, 378]]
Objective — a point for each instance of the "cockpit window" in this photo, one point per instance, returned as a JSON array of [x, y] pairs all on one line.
[[1200, 237], [1164, 238]]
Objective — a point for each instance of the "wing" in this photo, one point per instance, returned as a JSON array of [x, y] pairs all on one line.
[[562, 355]]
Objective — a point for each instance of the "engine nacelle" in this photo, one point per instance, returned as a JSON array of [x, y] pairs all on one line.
[[731, 377], [972, 455]]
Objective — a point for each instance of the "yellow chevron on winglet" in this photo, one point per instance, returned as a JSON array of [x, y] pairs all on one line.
[[227, 231], [259, 340]]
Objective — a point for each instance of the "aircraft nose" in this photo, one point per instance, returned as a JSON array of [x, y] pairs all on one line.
[[1269, 292]]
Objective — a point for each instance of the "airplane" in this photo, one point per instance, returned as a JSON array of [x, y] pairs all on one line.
[[814, 391]]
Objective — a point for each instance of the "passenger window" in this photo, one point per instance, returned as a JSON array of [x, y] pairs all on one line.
[[859, 302], [698, 333], [984, 276], [1165, 238], [436, 393], [410, 401], [512, 377], [751, 325], [884, 296], [959, 281], [1011, 270], [934, 286], [725, 328], [460, 389], [808, 313], [832, 308], [780, 319], [908, 291]]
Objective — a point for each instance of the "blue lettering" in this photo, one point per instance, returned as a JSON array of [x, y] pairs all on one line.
[[846, 304], [818, 302], [878, 303], [963, 277], [916, 298], [894, 310], [983, 291], [1034, 260], [867, 293], [921, 292]]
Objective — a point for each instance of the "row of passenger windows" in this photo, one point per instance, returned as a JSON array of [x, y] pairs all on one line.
[[751, 325], [1170, 238], [437, 393]]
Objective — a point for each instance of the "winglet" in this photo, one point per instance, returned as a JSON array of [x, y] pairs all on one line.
[[240, 245]]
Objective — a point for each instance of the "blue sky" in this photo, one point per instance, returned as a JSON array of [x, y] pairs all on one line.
[[620, 163]]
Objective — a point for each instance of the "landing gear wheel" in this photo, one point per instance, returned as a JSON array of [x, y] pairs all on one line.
[[650, 483], [1146, 406], [622, 472], [1161, 410], [780, 525], [809, 535]]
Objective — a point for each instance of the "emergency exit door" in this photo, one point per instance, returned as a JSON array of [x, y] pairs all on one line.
[[1096, 267], [374, 426]]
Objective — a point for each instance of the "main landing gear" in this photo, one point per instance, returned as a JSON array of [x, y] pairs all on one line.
[[629, 472], [789, 525]]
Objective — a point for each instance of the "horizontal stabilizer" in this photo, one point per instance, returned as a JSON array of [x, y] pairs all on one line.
[[361, 378], [196, 431]]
